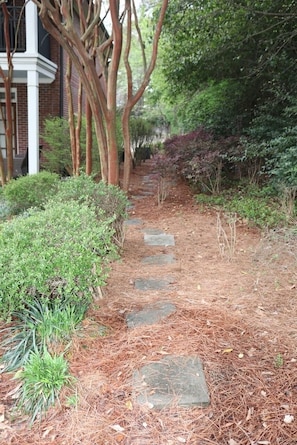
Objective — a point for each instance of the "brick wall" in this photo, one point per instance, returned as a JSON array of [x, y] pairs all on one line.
[[49, 103]]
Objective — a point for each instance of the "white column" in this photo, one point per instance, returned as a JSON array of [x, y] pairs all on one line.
[[33, 121], [31, 28]]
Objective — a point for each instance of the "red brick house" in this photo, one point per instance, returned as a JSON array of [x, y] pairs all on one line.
[[38, 82]]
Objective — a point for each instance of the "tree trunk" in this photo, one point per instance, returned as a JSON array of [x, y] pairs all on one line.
[[127, 149], [7, 80], [78, 127], [71, 116], [89, 139]]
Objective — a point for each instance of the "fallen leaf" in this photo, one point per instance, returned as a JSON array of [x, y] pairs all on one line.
[[129, 405], [181, 440], [119, 437], [288, 418], [47, 431], [117, 428], [249, 414], [263, 442], [227, 351], [232, 442]]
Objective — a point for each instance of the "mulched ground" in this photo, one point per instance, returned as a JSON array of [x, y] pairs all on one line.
[[236, 310]]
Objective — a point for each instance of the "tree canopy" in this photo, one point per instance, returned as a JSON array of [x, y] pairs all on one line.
[[243, 52]]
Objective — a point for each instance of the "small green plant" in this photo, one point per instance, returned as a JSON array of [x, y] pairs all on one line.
[[30, 191], [279, 361], [211, 200], [42, 378]]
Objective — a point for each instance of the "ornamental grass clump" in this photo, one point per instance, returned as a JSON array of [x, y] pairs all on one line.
[[43, 377], [40, 324]]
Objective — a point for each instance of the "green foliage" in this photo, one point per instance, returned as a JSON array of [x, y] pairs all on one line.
[[40, 324], [60, 252], [42, 378], [260, 212], [109, 201], [284, 158], [256, 205], [236, 63], [58, 158], [29, 191]]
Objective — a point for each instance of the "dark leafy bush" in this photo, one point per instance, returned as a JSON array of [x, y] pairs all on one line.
[[30, 191], [199, 157], [59, 252]]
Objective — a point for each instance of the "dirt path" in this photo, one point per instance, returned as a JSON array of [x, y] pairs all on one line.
[[236, 311]]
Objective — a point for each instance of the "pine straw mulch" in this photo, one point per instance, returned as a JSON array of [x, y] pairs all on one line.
[[248, 351]]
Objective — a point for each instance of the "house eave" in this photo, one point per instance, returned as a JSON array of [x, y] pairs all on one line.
[[24, 62]]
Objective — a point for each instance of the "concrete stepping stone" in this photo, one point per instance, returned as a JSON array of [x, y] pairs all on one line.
[[152, 231], [146, 193], [159, 260], [150, 314], [159, 240], [146, 284], [173, 379], [133, 222]]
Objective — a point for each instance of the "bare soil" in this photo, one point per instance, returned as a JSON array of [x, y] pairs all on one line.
[[236, 310]]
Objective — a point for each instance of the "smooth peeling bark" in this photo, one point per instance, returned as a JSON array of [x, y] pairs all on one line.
[[111, 96], [133, 99], [71, 116], [68, 39], [89, 138], [127, 149]]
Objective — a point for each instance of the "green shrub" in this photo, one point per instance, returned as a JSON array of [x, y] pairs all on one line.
[[109, 201], [42, 378], [60, 252], [256, 205], [30, 191], [58, 157], [39, 324], [258, 211]]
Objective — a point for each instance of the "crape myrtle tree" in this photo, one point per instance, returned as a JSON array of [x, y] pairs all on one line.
[[88, 48], [6, 116]]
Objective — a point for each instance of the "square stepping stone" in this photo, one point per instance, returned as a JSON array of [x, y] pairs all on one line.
[[159, 260], [133, 222], [159, 240], [150, 314], [146, 284], [152, 231], [174, 379]]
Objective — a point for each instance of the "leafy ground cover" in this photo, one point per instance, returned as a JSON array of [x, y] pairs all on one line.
[[236, 309]]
